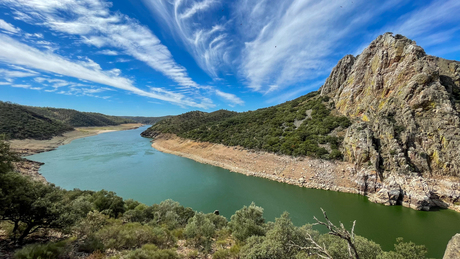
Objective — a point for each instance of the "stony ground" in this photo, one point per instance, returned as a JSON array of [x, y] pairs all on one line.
[[411, 191]]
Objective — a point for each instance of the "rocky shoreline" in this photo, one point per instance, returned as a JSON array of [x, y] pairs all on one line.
[[411, 191]]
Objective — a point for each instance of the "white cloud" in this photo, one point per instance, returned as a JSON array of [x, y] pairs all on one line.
[[25, 86], [97, 26], [428, 24], [12, 73], [20, 54], [291, 41], [108, 52], [9, 28], [230, 97], [208, 42]]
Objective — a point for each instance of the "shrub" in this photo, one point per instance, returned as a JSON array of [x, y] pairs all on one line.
[[133, 235], [43, 251], [200, 231], [247, 222], [150, 252]]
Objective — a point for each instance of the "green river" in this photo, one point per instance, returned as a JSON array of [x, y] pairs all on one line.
[[125, 162]]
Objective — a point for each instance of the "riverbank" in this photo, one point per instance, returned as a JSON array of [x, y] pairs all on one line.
[[410, 191], [27, 147]]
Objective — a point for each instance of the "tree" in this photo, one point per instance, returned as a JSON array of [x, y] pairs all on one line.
[[31, 205], [6, 156]]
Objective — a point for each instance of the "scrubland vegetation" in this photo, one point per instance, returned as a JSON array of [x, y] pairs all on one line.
[[304, 126], [26, 122], [44, 221]]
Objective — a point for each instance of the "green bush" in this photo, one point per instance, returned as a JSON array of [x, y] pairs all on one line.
[[150, 252], [133, 235], [279, 241], [200, 231], [42, 251], [247, 222]]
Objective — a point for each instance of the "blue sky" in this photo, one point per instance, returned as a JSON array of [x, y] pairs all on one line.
[[160, 57]]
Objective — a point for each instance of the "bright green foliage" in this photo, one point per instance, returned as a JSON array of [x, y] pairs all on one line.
[[200, 231], [248, 221], [133, 235], [18, 122], [271, 129], [150, 252], [42, 251]]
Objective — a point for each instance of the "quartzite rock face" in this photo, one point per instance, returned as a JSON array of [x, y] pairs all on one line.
[[404, 105], [453, 248]]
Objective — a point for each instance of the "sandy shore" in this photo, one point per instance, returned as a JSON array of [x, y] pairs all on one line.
[[27, 147]]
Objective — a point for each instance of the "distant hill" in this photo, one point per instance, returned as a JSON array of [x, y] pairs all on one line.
[[304, 126], [19, 122], [146, 120], [79, 119]]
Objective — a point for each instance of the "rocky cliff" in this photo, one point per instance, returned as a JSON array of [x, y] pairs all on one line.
[[406, 131]]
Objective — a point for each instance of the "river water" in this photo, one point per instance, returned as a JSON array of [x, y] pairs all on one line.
[[125, 163]]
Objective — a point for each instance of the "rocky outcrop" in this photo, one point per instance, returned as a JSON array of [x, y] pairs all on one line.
[[404, 105], [453, 248]]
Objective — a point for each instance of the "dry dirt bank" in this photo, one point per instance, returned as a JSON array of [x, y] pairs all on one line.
[[409, 190], [27, 147]]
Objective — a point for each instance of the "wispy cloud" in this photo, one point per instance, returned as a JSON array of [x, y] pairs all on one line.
[[296, 40], [428, 24], [14, 73], [108, 52], [207, 40], [230, 97], [14, 52], [9, 28], [98, 26]]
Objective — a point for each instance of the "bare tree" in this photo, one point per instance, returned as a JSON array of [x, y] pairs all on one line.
[[341, 232]]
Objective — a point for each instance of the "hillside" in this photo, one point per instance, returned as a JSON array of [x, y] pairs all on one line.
[[27, 122], [391, 114], [18, 122], [305, 126], [146, 120], [79, 119]]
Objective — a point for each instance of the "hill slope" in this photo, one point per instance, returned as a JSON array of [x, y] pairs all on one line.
[[79, 119], [305, 126], [146, 120], [18, 122]]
